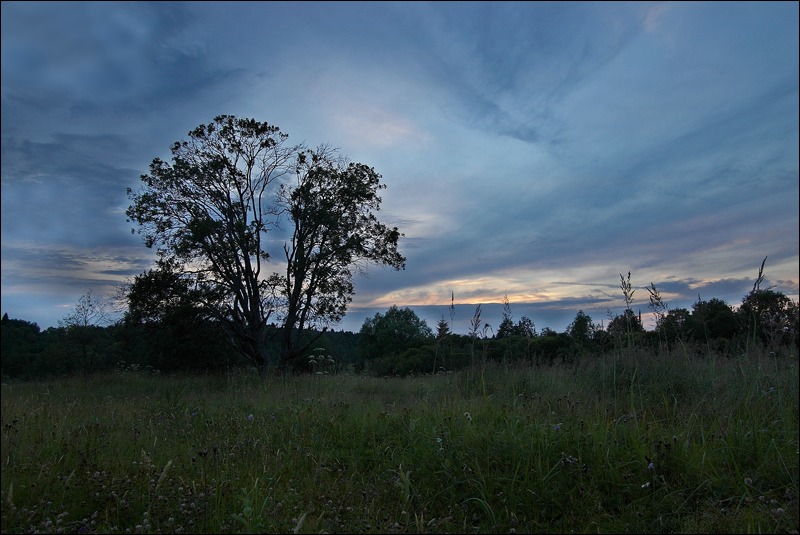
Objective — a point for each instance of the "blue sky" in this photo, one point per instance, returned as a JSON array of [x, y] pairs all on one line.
[[534, 150]]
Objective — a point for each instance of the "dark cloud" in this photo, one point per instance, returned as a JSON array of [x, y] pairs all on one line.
[[530, 148]]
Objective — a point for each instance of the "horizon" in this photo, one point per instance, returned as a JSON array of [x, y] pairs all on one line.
[[491, 314], [534, 150]]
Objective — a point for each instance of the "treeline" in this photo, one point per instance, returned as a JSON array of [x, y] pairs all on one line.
[[397, 342], [168, 346]]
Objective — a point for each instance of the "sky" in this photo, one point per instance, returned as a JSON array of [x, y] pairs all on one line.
[[534, 151]]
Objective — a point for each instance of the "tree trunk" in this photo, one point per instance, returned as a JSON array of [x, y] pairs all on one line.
[[252, 343]]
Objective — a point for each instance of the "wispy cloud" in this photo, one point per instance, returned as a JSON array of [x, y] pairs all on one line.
[[534, 150]]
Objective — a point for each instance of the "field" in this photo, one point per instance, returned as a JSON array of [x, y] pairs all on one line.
[[628, 442]]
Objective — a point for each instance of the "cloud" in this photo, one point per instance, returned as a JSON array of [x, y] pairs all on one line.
[[41, 282], [654, 15], [530, 149], [56, 264], [355, 123]]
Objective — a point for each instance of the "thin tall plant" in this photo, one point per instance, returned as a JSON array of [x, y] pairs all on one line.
[[660, 309], [752, 321], [475, 330], [627, 292]]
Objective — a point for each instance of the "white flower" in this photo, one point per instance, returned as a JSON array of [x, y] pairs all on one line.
[[250, 417]]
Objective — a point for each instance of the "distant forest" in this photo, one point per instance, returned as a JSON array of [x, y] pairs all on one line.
[[396, 342]]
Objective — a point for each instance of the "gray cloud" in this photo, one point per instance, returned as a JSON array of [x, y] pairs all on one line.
[[528, 148]]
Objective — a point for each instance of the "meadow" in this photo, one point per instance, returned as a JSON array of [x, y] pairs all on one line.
[[629, 442]]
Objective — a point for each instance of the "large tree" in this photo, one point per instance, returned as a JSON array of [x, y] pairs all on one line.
[[209, 211], [331, 206]]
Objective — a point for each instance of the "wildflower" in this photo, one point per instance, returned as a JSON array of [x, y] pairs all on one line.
[[567, 460], [646, 485], [468, 416], [557, 427], [250, 417], [748, 481]]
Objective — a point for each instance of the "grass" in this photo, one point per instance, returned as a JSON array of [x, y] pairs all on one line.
[[625, 443]]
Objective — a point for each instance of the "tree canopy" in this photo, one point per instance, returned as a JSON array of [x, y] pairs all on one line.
[[392, 333], [209, 211]]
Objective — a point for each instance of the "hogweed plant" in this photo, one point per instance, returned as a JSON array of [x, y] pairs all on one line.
[[320, 362]]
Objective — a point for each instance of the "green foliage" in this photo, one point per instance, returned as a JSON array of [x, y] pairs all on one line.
[[21, 345], [626, 323], [582, 330], [415, 360], [392, 333], [167, 327], [171, 344], [506, 327], [676, 324], [524, 327], [712, 319], [771, 317]]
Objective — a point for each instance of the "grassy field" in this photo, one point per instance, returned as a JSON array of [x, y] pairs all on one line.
[[626, 443]]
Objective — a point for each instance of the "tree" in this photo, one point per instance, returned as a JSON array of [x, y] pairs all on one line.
[[332, 208], [506, 327], [208, 214], [625, 325], [20, 345], [712, 320], [81, 326], [442, 329], [581, 330], [675, 324], [392, 333], [525, 327], [167, 328], [161, 293], [771, 316]]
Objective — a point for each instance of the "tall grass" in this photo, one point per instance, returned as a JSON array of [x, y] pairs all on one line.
[[626, 443]]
